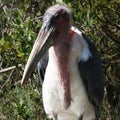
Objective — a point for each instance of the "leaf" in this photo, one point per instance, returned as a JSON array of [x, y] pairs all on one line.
[[6, 45], [20, 54], [90, 22], [2, 41], [59, 1]]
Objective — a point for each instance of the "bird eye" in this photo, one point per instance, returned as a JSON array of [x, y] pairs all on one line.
[[57, 16]]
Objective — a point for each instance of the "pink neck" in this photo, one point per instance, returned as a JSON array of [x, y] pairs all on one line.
[[62, 50]]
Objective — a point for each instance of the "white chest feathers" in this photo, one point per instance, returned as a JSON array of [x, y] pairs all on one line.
[[80, 104]]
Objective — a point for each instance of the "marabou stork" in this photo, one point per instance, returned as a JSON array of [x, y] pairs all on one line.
[[73, 85]]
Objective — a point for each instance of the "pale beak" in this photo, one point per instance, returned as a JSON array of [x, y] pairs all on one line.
[[44, 40]]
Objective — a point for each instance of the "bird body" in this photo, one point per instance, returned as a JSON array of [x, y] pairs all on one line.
[[69, 67], [79, 103]]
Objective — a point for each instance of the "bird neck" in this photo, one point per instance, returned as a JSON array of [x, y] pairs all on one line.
[[61, 50]]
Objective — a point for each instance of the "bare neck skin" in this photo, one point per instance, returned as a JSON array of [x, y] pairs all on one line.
[[61, 50]]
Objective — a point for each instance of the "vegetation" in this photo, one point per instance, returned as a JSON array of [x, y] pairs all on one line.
[[20, 21]]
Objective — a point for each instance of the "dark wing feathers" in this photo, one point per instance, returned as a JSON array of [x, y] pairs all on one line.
[[42, 64], [92, 75]]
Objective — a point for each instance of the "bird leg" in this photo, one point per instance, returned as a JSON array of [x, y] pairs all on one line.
[[81, 117], [55, 116]]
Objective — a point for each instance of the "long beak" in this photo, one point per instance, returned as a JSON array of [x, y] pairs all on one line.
[[40, 47]]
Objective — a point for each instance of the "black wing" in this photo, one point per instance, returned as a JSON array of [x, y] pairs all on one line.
[[93, 78], [42, 64]]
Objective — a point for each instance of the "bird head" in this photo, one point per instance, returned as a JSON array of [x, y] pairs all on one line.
[[56, 23]]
